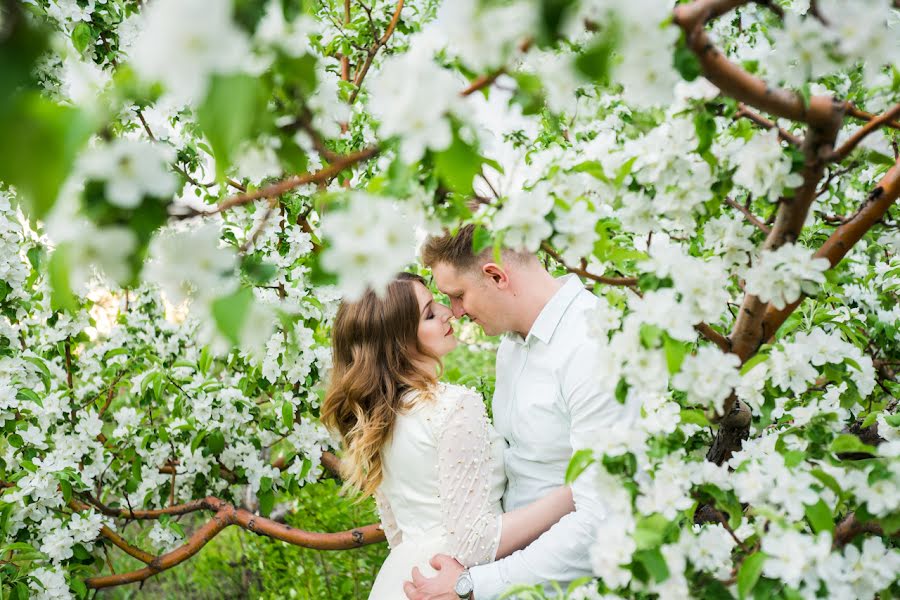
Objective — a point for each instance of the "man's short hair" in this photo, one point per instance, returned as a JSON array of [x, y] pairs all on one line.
[[456, 250]]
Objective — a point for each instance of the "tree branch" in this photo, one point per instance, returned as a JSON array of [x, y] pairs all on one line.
[[731, 79], [857, 113], [227, 515], [850, 527], [854, 140], [750, 216], [120, 543], [285, 185], [839, 243], [373, 50], [745, 112], [630, 282]]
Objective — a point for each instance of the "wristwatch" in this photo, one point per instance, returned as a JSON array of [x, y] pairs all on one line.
[[464, 585]]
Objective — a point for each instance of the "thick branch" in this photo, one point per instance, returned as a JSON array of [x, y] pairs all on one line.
[[226, 515], [848, 234], [749, 332], [854, 140], [731, 79], [119, 542]]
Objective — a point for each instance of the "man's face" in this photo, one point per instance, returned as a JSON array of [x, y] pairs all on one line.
[[472, 294]]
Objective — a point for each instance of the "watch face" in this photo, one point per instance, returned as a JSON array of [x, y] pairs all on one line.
[[463, 586]]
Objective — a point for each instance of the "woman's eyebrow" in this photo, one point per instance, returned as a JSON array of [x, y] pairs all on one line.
[[426, 306]]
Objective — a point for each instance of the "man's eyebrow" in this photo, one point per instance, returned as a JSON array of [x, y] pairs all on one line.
[[426, 306]]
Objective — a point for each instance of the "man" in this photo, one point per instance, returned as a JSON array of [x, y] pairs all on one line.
[[546, 405]]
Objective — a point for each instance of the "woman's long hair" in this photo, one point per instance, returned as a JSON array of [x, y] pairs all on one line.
[[377, 359]]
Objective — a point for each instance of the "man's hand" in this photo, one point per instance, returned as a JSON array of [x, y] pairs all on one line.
[[439, 587]]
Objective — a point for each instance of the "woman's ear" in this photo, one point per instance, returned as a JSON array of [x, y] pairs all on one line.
[[497, 274]]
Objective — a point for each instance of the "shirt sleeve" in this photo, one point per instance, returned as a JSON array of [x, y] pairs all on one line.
[[388, 522], [562, 552], [464, 479]]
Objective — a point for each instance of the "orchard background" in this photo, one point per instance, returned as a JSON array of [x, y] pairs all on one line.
[[188, 188]]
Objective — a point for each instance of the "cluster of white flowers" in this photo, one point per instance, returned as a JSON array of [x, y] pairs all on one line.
[[370, 241], [779, 276], [763, 167], [130, 169], [183, 42], [708, 377], [164, 538]]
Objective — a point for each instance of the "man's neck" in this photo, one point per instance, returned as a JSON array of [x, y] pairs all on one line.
[[534, 294]]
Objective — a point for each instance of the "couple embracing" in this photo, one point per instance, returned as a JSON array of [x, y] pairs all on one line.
[[470, 508]]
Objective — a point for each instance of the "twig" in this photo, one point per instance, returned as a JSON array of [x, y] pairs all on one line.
[[750, 216], [374, 48], [285, 185], [854, 140], [745, 112], [630, 282], [857, 113]]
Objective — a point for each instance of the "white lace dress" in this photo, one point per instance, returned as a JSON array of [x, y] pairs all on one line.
[[441, 488]]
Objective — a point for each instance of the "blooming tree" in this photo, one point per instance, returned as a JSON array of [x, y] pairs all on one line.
[[190, 186]]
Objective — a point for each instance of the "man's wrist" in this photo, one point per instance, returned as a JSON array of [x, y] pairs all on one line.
[[464, 587]]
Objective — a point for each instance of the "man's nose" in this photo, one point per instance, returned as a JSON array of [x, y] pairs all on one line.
[[457, 309]]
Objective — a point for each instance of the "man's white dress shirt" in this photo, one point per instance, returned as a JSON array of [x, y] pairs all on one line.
[[547, 404]]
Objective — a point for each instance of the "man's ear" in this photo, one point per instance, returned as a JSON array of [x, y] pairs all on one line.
[[497, 274]]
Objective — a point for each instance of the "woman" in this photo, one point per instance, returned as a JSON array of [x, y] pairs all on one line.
[[424, 449]]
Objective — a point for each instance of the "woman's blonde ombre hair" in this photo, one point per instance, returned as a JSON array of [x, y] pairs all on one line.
[[377, 359]]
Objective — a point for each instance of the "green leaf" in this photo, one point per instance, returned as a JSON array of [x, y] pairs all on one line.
[[458, 165], [675, 353], [705, 126], [621, 391], [654, 562], [624, 171], [695, 416], [287, 415], [230, 313], [229, 113], [650, 336], [828, 481], [820, 517], [846, 442], [580, 461], [30, 396], [82, 36], [61, 295], [686, 62], [650, 531], [481, 240], [215, 441], [749, 574], [757, 358], [596, 61], [266, 502], [38, 148]]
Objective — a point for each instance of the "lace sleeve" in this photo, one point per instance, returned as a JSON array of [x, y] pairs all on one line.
[[388, 523], [464, 480]]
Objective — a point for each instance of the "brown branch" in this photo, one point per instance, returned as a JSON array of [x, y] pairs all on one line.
[[850, 527], [847, 235], [749, 330], [714, 336], [179, 168], [345, 60], [750, 216], [731, 79], [121, 544], [860, 134], [745, 112], [332, 463], [630, 282], [379, 43], [285, 185], [227, 515], [857, 113], [482, 82], [110, 394]]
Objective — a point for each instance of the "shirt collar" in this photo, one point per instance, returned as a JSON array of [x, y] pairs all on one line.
[[552, 313]]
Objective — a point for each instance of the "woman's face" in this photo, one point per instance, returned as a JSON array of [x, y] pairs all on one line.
[[435, 331]]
